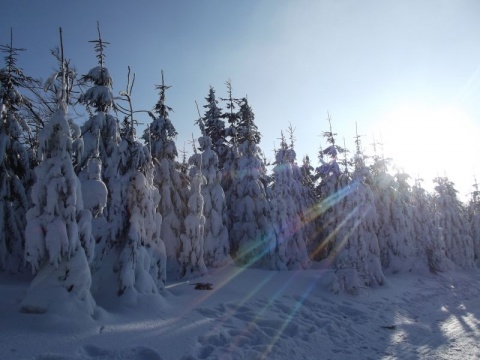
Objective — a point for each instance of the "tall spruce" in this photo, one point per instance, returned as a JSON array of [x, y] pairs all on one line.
[[395, 225], [251, 241], [453, 225], [309, 203], [99, 161], [431, 248], [215, 127], [100, 132], [192, 251], [290, 251], [230, 153], [159, 137], [15, 173], [332, 191], [59, 245], [216, 242], [356, 252]]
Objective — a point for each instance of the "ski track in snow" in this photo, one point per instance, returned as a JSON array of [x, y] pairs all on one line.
[[266, 315]]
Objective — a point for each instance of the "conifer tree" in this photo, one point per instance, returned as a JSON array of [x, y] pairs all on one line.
[[159, 137], [134, 262], [100, 132], [216, 242], [142, 260], [474, 218], [453, 225], [309, 202], [15, 174], [228, 157], [290, 252], [395, 225], [99, 161], [191, 259], [250, 238], [215, 127], [142, 255], [405, 247], [332, 191], [431, 248], [59, 245], [356, 253]]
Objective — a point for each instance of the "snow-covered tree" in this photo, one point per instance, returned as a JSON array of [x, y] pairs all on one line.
[[15, 173], [134, 261], [98, 165], [431, 248], [192, 240], [59, 245], [356, 253], [100, 132], [395, 231], [159, 137], [215, 127], [250, 237], [228, 154], [453, 225], [101, 145], [142, 259], [308, 202], [216, 243], [290, 252], [130, 256], [474, 218], [332, 189]]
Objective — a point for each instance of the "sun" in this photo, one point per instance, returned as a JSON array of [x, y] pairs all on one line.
[[429, 141]]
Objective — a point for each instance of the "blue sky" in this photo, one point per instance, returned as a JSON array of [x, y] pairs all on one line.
[[405, 70]]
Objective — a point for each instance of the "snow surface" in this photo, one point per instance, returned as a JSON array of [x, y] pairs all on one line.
[[259, 314]]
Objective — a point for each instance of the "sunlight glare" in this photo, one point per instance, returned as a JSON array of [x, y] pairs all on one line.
[[429, 141]]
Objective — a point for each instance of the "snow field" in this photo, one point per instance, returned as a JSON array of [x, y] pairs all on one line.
[[259, 314]]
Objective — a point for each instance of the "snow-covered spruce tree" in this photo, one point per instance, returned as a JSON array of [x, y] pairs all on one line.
[[216, 242], [215, 127], [101, 140], [395, 225], [454, 228], [100, 132], [431, 249], [159, 137], [142, 259], [119, 160], [290, 252], [15, 173], [251, 240], [309, 203], [58, 243], [192, 240], [406, 248], [228, 154], [474, 218], [356, 253], [134, 261], [332, 190]]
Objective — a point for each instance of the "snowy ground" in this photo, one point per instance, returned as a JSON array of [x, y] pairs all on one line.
[[257, 314]]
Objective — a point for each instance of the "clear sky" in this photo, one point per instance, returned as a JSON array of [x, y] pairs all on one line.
[[408, 71]]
